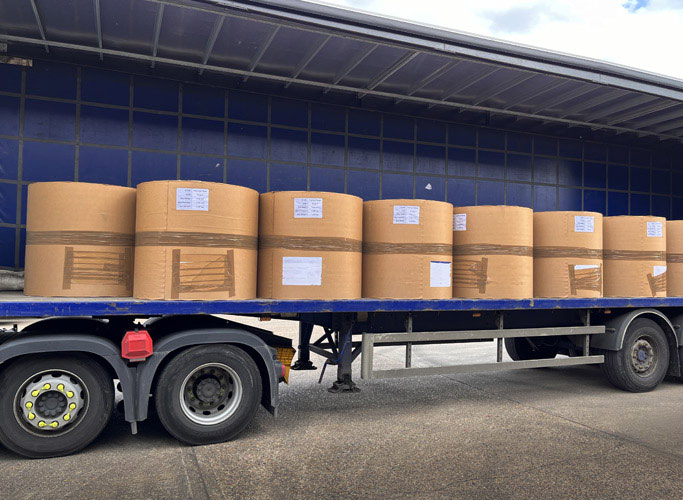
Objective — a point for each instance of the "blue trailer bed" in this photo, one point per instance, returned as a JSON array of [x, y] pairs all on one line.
[[15, 305]]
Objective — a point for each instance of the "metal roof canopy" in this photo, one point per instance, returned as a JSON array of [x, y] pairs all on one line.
[[290, 46]]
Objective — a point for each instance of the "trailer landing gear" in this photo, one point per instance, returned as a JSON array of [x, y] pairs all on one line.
[[304, 362]]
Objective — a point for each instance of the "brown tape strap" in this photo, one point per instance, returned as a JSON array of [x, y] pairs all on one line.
[[194, 239], [322, 243], [492, 249], [469, 273], [95, 238], [657, 283], [674, 258], [585, 279], [633, 255], [408, 248], [83, 267], [202, 273], [571, 252]]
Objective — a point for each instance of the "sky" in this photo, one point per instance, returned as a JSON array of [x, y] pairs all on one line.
[[642, 34]]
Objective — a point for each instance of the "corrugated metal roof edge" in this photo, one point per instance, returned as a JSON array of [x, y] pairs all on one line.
[[496, 51]]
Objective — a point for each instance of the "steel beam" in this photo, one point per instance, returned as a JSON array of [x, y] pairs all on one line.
[[577, 92], [353, 64], [505, 86], [39, 22], [309, 57], [482, 367], [98, 25], [534, 93], [157, 31], [442, 70], [608, 96], [468, 82], [387, 73], [322, 85], [671, 125], [261, 51], [217, 27], [624, 105], [655, 119]]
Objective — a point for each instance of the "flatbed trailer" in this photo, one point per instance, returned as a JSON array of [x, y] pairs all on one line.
[[206, 375]]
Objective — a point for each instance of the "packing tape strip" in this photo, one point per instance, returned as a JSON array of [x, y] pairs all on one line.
[[585, 279], [195, 273], [633, 255], [571, 252], [194, 239], [492, 249], [407, 248], [674, 258], [95, 238], [86, 267], [322, 244], [657, 283], [468, 273]]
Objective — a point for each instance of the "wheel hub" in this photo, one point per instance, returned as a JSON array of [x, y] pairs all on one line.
[[50, 401], [210, 394], [642, 356]]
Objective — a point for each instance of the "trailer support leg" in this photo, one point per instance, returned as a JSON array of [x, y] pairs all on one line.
[[344, 381], [304, 362]]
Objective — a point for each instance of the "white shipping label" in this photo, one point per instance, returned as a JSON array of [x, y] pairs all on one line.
[[406, 214], [302, 271], [658, 270], [308, 208], [192, 199], [439, 273], [654, 229], [584, 223], [579, 267], [459, 222]]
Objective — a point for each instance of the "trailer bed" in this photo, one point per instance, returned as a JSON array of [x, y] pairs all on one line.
[[16, 305]]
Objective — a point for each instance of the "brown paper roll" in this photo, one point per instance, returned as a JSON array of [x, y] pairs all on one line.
[[674, 258], [568, 254], [407, 249], [310, 245], [79, 240], [195, 241], [492, 252], [634, 263]]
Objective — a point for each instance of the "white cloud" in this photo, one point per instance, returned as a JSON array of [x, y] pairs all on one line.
[[644, 34]]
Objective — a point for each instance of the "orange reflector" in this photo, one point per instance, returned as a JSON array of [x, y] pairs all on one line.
[[285, 355], [476, 315]]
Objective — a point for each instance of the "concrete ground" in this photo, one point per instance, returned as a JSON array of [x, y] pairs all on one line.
[[546, 433]]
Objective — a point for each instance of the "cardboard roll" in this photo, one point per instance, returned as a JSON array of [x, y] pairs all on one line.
[[79, 240], [492, 252], [407, 249], [634, 256], [674, 258], [310, 245], [195, 240], [568, 254]]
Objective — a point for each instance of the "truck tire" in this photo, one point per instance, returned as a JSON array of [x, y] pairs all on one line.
[[53, 406], [643, 360], [208, 394], [519, 349]]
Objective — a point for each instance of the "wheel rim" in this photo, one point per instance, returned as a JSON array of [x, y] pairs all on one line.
[[50, 402], [643, 358], [210, 394]]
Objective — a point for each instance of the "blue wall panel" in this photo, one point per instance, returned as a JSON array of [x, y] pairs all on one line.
[[63, 122]]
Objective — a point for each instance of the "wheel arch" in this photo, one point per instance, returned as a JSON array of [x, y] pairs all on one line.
[[616, 328], [170, 346], [102, 351]]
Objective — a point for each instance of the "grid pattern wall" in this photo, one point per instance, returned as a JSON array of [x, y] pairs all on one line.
[[63, 122]]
